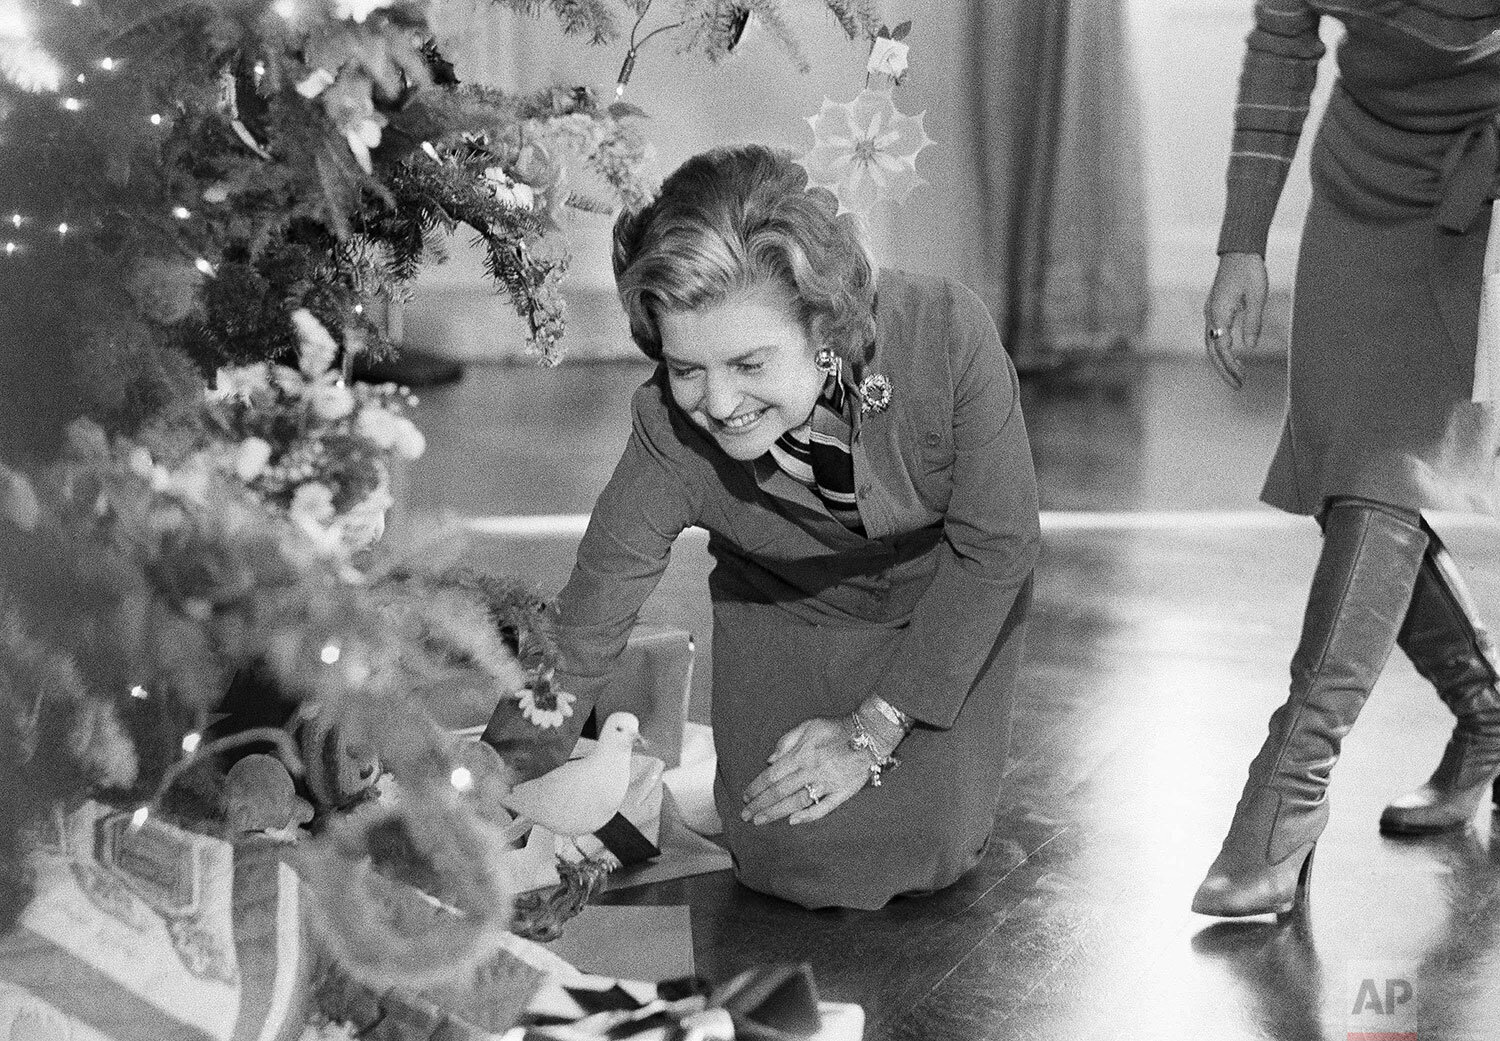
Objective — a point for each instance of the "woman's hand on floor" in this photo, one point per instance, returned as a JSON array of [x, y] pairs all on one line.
[[1233, 313], [817, 754]]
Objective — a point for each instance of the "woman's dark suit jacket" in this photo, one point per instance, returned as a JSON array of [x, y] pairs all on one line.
[[927, 609]]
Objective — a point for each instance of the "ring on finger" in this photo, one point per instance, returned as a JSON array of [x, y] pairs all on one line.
[[813, 795], [1217, 332]]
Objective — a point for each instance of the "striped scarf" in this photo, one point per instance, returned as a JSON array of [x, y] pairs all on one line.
[[817, 454]]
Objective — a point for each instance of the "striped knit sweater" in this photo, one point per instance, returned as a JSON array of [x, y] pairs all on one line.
[[1276, 83]]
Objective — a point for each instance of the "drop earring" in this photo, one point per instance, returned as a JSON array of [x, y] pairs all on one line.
[[829, 363]]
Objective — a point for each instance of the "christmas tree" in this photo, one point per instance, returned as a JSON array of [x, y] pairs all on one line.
[[205, 203]]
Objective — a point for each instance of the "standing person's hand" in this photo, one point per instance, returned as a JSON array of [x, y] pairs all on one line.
[[810, 773], [1233, 313]]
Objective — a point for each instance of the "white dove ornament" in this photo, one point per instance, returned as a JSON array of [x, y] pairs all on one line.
[[581, 795]]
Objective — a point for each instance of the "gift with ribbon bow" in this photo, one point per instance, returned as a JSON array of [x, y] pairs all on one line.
[[776, 1002]]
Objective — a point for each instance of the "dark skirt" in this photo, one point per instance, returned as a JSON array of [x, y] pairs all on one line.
[[930, 820], [1383, 332]]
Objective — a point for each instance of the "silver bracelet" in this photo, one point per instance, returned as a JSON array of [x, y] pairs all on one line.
[[861, 741], [891, 712]]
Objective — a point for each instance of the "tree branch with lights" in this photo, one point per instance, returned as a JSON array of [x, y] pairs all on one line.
[[203, 200]]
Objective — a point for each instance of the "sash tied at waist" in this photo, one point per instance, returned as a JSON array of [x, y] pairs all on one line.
[[1469, 175], [1469, 180]]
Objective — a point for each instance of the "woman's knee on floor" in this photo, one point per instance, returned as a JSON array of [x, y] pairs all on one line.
[[864, 870]]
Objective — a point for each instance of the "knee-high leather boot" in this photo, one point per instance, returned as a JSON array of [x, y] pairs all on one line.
[[1450, 647], [1360, 590]]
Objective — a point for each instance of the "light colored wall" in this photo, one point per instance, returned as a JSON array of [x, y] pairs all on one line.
[[1186, 54]]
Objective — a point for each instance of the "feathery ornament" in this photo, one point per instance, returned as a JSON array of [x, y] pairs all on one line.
[[865, 150]]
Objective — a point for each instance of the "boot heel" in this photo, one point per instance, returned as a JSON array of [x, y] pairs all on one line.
[[1496, 794], [1302, 895]]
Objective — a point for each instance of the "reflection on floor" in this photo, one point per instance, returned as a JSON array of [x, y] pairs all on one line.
[[1156, 653]]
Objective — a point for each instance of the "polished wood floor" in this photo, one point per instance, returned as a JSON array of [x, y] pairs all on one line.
[[1158, 647]]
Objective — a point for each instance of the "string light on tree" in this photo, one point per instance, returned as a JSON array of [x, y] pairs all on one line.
[[204, 266], [62, 229], [10, 247], [331, 654], [107, 64], [138, 818], [190, 742], [626, 68], [156, 119], [462, 778], [181, 212], [139, 692], [72, 104]]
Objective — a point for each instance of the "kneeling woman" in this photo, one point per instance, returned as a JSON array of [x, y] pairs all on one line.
[[861, 465]]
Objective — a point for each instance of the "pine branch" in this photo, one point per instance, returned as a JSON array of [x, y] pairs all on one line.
[[591, 18], [858, 18], [769, 14], [713, 27]]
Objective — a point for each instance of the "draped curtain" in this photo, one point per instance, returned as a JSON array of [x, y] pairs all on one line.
[[1058, 149]]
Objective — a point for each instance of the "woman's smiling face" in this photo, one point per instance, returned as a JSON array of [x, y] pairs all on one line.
[[742, 369]]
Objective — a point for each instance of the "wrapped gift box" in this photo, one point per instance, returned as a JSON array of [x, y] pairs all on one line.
[[654, 680]]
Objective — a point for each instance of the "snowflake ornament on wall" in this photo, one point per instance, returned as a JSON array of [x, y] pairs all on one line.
[[865, 150]]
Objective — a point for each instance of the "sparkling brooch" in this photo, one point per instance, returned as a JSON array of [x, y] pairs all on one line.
[[874, 393]]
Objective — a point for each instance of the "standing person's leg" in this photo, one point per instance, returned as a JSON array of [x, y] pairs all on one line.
[[1450, 646], [1360, 591]]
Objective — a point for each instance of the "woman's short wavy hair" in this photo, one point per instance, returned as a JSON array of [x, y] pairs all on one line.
[[738, 217]]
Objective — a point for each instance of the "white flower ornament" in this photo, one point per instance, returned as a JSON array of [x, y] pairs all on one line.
[[315, 83], [251, 457], [509, 191], [888, 57], [363, 135], [316, 347], [331, 400], [546, 718], [865, 150]]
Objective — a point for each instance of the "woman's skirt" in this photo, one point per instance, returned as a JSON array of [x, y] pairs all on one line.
[[1382, 356], [923, 827]]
